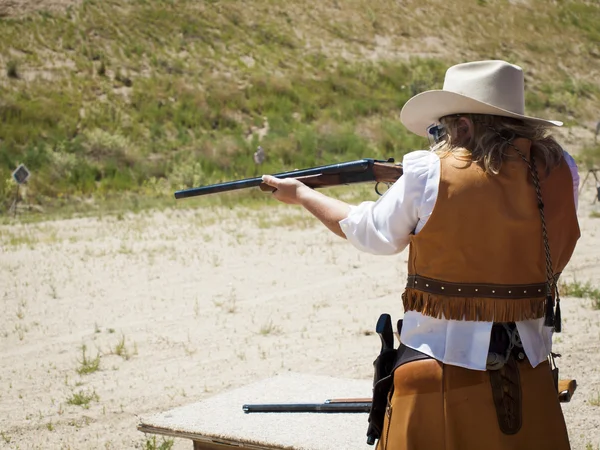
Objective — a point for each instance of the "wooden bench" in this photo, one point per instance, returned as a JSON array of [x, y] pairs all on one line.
[[219, 422]]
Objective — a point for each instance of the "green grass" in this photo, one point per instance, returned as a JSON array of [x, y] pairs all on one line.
[[165, 444], [126, 102], [88, 365], [589, 158], [121, 349], [581, 290], [269, 328], [83, 399], [102, 162]]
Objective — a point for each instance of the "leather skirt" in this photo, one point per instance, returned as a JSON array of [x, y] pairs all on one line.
[[437, 406]]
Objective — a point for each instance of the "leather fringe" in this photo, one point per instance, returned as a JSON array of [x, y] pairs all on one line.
[[473, 308]]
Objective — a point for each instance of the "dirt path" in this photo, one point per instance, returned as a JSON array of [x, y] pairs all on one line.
[[180, 305]]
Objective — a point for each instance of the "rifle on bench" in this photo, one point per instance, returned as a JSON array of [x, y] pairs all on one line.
[[361, 405], [383, 366], [566, 389]]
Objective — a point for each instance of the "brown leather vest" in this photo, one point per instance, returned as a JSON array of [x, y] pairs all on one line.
[[480, 256]]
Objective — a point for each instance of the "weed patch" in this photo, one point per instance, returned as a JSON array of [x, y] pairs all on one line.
[[83, 399], [595, 399], [121, 349], [165, 444], [88, 365], [581, 290], [269, 328]]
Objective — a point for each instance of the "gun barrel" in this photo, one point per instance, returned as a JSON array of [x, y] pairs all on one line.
[[335, 407], [352, 166], [220, 187]]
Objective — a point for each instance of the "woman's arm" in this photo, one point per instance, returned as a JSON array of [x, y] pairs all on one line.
[[381, 227], [328, 210]]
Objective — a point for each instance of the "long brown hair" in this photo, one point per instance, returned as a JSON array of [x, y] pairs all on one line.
[[490, 141]]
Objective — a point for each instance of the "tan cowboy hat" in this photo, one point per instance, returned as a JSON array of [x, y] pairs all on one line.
[[480, 87]]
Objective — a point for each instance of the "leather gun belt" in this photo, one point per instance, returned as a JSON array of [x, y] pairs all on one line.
[[475, 290]]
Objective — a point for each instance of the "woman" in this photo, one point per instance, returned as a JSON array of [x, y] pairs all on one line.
[[489, 216]]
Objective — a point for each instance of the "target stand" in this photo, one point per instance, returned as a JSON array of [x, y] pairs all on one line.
[[594, 172], [21, 174]]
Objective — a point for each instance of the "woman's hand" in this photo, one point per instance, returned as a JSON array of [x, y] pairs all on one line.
[[328, 210], [287, 190]]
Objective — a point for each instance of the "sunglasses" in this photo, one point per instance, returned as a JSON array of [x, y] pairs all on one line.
[[435, 133]]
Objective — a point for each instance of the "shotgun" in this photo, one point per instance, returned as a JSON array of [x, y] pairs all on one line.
[[362, 405], [359, 171], [566, 389]]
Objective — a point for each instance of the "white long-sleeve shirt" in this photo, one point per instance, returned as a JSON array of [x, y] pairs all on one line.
[[384, 227]]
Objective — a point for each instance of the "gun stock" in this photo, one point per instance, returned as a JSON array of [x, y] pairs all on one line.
[[566, 389]]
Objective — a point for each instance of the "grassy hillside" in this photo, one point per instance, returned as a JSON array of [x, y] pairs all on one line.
[[146, 96]]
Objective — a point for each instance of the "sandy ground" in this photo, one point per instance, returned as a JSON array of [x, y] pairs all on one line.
[[180, 305]]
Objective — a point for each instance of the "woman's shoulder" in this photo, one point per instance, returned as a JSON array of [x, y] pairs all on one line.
[[569, 159], [420, 161]]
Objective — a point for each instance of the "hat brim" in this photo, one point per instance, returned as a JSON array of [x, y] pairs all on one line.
[[428, 107]]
